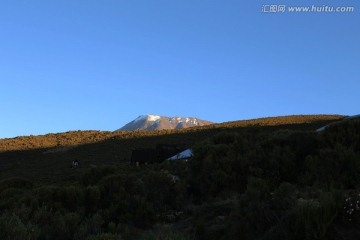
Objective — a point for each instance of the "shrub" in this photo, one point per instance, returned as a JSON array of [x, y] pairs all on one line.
[[213, 171], [339, 165], [164, 232], [9, 197], [16, 182], [105, 236], [93, 175], [253, 215], [71, 197], [225, 138], [92, 197], [12, 227], [313, 218], [351, 209], [160, 190]]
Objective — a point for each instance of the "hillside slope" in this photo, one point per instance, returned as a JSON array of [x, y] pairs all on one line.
[[48, 158], [75, 138], [267, 180]]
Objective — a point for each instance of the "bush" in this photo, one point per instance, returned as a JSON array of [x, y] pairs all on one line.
[[92, 198], [94, 174], [164, 232], [313, 218], [351, 210], [46, 193], [225, 138], [12, 227], [160, 190], [71, 197], [253, 215], [9, 197], [339, 165], [213, 171], [105, 236], [16, 182]]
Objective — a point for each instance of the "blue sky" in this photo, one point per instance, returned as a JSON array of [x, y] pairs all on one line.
[[96, 65]]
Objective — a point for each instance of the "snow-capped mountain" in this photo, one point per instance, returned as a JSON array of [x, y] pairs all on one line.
[[155, 122]]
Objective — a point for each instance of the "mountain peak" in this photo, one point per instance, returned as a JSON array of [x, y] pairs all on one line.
[[148, 117], [156, 122]]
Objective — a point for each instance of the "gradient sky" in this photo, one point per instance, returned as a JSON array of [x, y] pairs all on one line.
[[98, 64]]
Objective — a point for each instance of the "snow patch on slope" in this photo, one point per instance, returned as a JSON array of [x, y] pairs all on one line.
[[182, 155]]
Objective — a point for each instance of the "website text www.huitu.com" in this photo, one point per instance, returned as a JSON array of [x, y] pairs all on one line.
[[274, 8]]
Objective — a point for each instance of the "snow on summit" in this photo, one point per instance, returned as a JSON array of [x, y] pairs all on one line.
[[153, 117], [147, 117], [156, 122]]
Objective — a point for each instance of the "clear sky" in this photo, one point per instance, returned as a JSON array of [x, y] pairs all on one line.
[[98, 64]]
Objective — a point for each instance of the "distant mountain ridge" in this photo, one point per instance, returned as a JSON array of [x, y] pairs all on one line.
[[64, 140], [156, 122]]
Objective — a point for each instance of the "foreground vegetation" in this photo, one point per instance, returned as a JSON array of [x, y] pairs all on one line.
[[254, 182]]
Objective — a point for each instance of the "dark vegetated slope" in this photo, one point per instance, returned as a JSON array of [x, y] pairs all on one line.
[[290, 184], [255, 182], [49, 157]]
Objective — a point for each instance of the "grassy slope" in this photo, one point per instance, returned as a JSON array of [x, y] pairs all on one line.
[[48, 158]]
